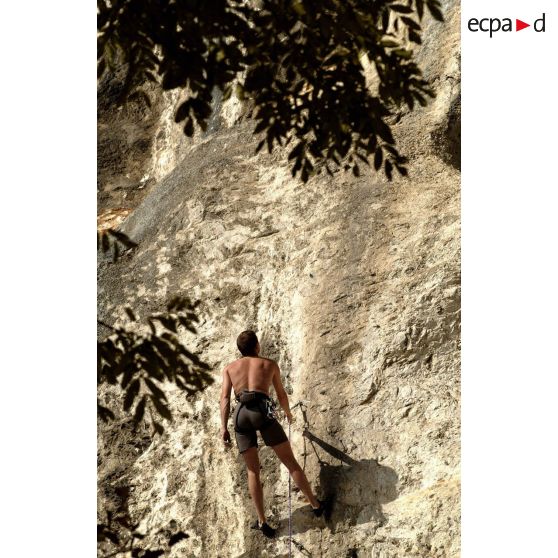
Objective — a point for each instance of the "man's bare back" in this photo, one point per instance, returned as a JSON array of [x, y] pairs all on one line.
[[253, 374]]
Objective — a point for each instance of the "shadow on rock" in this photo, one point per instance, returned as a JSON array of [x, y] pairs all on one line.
[[358, 489]]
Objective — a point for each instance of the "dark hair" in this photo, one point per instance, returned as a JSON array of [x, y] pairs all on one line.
[[246, 342]]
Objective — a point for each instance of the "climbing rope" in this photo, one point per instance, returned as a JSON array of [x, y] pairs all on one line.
[[298, 545], [290, 514]]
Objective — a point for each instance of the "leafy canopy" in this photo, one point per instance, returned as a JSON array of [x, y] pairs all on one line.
[[300, 64]]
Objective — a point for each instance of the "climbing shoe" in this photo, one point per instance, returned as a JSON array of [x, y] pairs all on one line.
[[325, 508], [267, 530], [318, 512]]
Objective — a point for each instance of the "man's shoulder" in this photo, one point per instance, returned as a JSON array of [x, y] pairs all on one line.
[[233, 364], [270, 362]]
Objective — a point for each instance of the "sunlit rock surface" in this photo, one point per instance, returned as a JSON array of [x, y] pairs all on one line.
[[354, 287]]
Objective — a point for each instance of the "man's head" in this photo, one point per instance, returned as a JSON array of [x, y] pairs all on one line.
[[248, 344]]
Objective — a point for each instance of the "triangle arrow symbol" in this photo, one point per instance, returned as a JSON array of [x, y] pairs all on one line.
[[519, 25]]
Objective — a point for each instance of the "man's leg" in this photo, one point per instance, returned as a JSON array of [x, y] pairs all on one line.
[[254, 485], [285, 454]]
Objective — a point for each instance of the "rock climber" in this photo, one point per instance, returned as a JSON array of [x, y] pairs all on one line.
[[251, 377]]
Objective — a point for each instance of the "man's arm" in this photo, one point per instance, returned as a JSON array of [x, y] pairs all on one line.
[[225, 405], [282, 396]]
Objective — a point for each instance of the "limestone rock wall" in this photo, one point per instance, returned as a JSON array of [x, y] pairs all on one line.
[[353, 285]]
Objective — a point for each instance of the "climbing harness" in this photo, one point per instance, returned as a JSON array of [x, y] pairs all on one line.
[[269, 406], [264, 402]]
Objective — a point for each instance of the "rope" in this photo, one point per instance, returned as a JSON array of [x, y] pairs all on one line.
[[290, 515]]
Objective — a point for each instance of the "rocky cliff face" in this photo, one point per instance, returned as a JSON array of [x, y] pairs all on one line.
[[353, 285]]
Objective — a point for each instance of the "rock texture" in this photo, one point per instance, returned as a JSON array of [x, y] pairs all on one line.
[[353, 285]]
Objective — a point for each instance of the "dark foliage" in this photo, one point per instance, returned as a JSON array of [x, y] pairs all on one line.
[[297, 61], [118, 536], [140, 363]]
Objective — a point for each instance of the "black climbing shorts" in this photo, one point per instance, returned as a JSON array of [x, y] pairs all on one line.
[[255, 415]]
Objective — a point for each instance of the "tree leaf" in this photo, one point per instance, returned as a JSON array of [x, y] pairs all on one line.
[[415, 37], [389, 43], [385, 21], [401, 9], [411, 23], [434, 9], [403, 53], [420, 8]]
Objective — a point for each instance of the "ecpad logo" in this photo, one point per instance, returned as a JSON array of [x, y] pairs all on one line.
[[494, 24]]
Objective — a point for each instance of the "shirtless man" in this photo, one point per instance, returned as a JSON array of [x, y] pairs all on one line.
[[251, 377]]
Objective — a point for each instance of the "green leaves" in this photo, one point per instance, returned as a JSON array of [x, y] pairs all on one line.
[[297, 64], [420, 8], [401, 9], [415, 37], [434, 7], [140, 363], [403, 53]]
